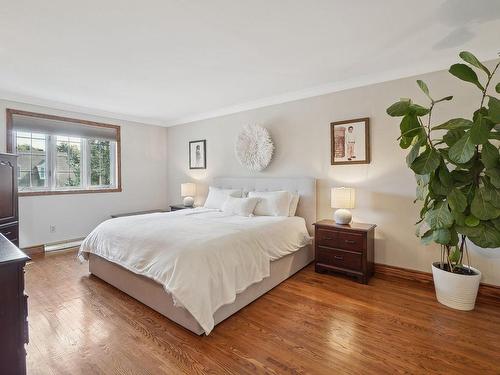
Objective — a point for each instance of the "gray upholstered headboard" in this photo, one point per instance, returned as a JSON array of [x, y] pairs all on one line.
[[306, 187]]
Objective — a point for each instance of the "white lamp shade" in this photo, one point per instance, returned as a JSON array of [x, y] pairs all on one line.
[[188, 189], [342, 197]]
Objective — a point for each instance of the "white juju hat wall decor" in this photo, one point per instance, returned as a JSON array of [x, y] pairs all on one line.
[[254, 147]]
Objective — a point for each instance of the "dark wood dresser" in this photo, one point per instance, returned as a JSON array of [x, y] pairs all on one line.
[[9, 217], [348, 249], [13, 309]]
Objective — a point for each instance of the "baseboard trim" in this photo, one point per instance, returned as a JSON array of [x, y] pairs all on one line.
[[34, 250], [384, 270]]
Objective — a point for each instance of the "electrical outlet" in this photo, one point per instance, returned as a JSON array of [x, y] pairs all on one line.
[[52, 229]]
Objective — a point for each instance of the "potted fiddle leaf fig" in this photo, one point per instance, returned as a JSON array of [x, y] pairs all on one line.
[[457, 169]]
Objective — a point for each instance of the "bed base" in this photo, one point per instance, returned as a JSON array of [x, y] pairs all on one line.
[[153, 295]]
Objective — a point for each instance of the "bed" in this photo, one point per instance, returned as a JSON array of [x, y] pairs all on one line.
[[260, 253]]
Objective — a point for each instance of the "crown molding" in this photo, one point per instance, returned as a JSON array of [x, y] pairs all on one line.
[[362, 81]]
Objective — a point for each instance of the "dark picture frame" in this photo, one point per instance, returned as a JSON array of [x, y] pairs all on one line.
[[198, 156], [343, 145]]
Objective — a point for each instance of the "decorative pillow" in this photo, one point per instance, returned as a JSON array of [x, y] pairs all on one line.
[[272, 203], [240, 206], [294, 203], [216, 196]]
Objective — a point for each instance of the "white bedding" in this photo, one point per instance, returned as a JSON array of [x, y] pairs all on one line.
[[202, 257]]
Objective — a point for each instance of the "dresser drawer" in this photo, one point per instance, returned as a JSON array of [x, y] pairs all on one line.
[[341, 240], [11, 232], [351, 260]]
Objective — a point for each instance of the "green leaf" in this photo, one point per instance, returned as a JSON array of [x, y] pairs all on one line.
[[455, 123], [489, 155], [410, 126], [459, 217], [426, 238], [418, 110], [400, 108], [405, 142], [452, 136], [496, 223], [463, 150], [465, 73], [461, 177], [445, 176], [412, 155], [436, 188], [439, 217], [481, 207], [497, 87], [469, 231], [457, 200], [422, 187], [446, 98], [469, 191], [494, 175], [471, 221], [471, 59], [492, 195], [488, 236], [424, 88], [480, 131], [494, 109], [427, 162], [441, 236]]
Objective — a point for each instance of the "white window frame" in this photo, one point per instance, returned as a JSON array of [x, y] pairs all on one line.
[[85, 174], [47, 164], [110, 132]]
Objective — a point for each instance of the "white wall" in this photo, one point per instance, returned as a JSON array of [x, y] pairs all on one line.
[[144, 183], [301, 132]]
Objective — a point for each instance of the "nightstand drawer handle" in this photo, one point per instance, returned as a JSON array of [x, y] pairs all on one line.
[[328, 238], [339, 257], [350, 241]]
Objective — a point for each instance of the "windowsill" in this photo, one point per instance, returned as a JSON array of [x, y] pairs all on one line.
[[64, 192]]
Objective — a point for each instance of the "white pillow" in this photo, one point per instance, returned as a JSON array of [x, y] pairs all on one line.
[[294, 203], [240, 206], [272, 203], [216, 196]]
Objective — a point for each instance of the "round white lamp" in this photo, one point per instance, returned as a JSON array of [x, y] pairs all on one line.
[[342, 199], [188, 191]]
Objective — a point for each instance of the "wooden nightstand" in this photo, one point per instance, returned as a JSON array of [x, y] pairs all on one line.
[[177, 207], [348, 249]]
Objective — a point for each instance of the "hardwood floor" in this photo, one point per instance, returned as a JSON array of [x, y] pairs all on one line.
[[311, 323]]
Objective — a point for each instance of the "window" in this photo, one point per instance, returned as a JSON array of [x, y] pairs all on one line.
[[31, 149], [68, 162], [59, 155]]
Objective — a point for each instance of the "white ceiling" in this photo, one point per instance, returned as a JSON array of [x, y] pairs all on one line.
[[173, 61]]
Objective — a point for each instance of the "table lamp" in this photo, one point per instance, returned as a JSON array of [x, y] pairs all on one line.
[[188, 191], [342, 199]]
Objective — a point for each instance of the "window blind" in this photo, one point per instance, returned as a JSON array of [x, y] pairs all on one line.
[[24, 123]]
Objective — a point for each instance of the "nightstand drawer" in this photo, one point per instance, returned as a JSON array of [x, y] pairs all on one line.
[[341, 240], [350, 260]]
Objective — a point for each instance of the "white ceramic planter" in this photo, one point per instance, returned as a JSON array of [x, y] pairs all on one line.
[[455, 290]]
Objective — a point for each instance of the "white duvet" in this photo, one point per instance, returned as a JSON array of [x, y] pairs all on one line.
[[202, 257]]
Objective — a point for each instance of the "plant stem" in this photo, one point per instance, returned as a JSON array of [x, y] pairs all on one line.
[[487, 84]]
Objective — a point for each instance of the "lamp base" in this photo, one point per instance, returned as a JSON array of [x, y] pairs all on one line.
[[188, 201], [342, 216]]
